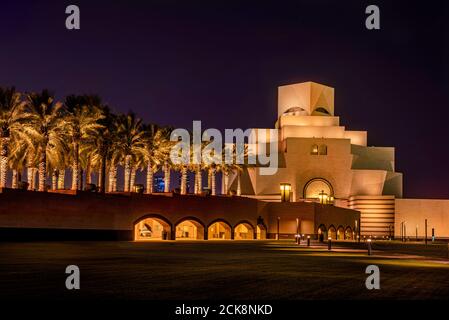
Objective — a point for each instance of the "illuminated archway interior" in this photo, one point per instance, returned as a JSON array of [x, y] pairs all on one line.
[[261, 232], [332, 233], [219, 231], [341, 233], [244, 231], [151, 229], [349, 234], [189, 230], [317, 188]]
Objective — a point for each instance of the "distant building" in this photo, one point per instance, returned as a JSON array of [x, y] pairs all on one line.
[[159, 184]]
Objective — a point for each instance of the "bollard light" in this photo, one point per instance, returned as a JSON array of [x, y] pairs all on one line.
[[329, 243], [368, 242], [308, 241]]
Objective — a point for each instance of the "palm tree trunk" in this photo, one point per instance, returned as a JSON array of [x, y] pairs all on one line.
[[239, 186], [198, 180], [54, 179], [183, 180], [102, 173], [30, 178], [42, 170], [212, 182], [35, 174], [3, 162], [150, 175], [166, 177], [209, 179], [114, 180], [75, 167], [61, 179], [88, 172], [81, 175], [15, 179], [225, 184], [112, 175], [127, 172], [132, 179]]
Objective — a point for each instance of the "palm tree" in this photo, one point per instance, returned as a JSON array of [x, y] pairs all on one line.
[[81, 120], [11, 108], [102, 145], [130, 142], [230, 168], [44, 126], [17, 159], [156, 148]]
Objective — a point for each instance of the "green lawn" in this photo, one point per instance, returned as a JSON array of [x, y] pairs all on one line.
[[222, 270]]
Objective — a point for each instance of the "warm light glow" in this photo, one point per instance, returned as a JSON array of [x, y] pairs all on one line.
[[285, 192]]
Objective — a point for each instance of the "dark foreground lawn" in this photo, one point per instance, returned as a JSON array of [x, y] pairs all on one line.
[[221, 270]]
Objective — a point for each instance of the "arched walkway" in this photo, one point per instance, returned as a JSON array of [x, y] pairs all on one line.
[[332, 233], [219, 230], [243, 231], [189, 229], [152, 227], [322, 232], [349, 235], [261, 232], [340, 233]]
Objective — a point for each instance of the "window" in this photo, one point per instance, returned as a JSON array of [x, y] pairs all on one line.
[[314, 150], [323, 150]]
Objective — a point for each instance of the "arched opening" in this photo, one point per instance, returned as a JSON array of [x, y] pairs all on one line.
[[332, 233], [320, 111], [219, 230], [318, 189], [243, 231], [189, 229], [295, 111], [349, 235], [340, 233], [322, 233], [261, 232], [152, 228]]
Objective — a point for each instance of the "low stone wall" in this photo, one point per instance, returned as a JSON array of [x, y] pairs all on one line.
[[114, 215]]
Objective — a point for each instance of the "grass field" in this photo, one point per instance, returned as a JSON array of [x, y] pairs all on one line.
[[222, 270]]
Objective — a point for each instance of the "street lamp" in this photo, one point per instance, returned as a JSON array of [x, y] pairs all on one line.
[[322, 196], [286, 189], [368, 242]]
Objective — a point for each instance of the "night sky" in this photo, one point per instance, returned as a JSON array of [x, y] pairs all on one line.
[[221, 62]]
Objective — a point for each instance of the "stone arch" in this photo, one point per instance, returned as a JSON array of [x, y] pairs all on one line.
[[349, 234], [340, 233], [261, 232], [314, 186], [332, 232], [219, 229], [152, 227], [190, 228], [244, 230], [322, 232]]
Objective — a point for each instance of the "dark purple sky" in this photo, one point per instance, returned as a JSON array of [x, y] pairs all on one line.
[[221, 62]]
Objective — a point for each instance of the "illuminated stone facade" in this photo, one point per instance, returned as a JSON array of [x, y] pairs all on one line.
[[325, 162]]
